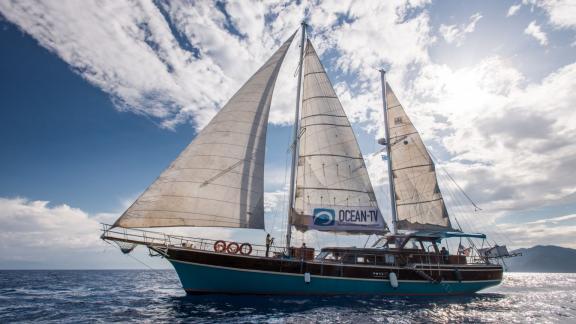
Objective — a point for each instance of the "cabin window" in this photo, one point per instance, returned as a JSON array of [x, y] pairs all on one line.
[[322, 255], [413, 244], [329, 256], [429, 246]]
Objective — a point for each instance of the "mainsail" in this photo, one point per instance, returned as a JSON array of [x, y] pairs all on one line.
[[419, 202], [218, 180], [333, 191]]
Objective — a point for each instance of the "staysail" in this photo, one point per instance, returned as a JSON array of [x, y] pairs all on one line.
[[419, 202], [333, 191], [218, 180]]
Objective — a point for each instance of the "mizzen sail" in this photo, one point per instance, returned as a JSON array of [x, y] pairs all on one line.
[[333, 191], [419, 202], [218, 180]]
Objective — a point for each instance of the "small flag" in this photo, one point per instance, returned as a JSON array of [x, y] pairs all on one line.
[[384, 158]]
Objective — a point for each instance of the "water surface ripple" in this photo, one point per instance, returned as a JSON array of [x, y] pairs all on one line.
[[156, 296]]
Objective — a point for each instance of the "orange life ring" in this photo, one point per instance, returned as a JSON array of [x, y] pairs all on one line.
[[233, 248], [220, 246], [248, 249]]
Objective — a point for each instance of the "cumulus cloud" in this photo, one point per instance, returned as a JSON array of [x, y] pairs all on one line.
[[561, 13], [35, 224], [158, 59], [456, 34], [37, 234], [504, 139], [558, 231], [163, 59], [513, 10], [535, 31]]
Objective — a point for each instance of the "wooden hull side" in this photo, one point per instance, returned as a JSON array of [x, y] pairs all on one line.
[[207, 272]]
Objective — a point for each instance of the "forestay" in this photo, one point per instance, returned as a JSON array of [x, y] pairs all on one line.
[[333, 191], [419, 202], [218, 180]]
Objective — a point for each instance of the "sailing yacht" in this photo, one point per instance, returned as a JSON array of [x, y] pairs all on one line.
[[218, 181]]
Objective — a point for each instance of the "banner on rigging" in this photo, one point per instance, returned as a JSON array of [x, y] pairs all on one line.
[[345, 218]]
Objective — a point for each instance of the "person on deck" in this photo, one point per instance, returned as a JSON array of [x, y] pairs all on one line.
[[444, 253], [269, 241], [303, 251]]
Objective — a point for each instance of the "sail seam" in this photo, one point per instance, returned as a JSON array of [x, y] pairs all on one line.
[[227, 157], [317, 97], [210, 220], [186, 212], [205, 184], [413, 166], [339, 189], [400, 135], [230, 144], [325, 115], [234, 132], [315, 72], [335, 155], [231, 171], [420, 202], [325, 124]]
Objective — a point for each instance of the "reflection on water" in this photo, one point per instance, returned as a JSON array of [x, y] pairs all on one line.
[[80, 296]]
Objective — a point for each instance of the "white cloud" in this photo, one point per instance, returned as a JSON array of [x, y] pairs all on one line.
[[505, 140], [457, 34], [557, 231], [35, 224], [36, 234], [164, 59], [535, 31], [554, 220], [513, 10], [561, 13]]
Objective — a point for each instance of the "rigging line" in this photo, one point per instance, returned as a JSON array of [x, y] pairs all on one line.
[[456, 206], [128, 254], [454, 181], [142, 263]]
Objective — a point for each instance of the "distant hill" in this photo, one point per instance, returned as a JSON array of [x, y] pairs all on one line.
[[543, 258]]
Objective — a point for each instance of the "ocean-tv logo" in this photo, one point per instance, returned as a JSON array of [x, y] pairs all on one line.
[[324, 217]]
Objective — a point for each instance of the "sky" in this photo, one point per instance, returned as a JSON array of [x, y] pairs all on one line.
[[98, 97]]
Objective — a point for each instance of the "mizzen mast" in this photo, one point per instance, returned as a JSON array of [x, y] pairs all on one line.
[[295, 137]]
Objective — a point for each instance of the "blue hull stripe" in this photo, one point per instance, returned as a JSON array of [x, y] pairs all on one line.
[[202, 278]]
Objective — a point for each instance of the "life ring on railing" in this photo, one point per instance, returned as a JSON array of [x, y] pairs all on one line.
[[245, 249], [233, 248], [220, 246]]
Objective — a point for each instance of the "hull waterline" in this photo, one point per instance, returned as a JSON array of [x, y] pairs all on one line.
[[203, 278]]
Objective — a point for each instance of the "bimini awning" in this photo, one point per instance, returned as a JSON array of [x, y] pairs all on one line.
[[441, 235]]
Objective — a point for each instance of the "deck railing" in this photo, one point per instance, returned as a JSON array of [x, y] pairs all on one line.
[[158, 240]]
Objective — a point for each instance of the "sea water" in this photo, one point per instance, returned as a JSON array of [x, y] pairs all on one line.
[[156, 296]]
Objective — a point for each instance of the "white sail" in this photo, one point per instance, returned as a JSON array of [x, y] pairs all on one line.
[[218, 180], [333, 191], [419, 202]]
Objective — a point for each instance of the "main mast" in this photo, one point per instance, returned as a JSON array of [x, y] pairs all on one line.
[[388, 155], [295, 137]]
